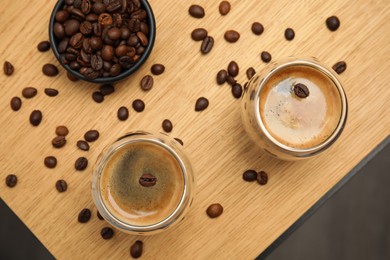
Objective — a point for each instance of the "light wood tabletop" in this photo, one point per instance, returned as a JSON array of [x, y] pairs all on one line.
[[254, 216]]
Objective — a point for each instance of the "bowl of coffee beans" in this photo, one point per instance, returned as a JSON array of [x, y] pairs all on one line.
[[102, 41]]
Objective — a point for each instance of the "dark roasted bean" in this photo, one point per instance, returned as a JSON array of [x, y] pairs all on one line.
[[224, 7], [340, 67], [84, 215], [199, 34], [196, 11], [50, 162], [262, 178], [62, 130], [8, 68], [157, 69], [61, 186], [232, 36], [167, 125], [233, 69], [51, 92], [11, 180], [257, 28], [136, 249], [16, 103], [237, 90], [250, 73], [58, 141], [221, 76], [43, 46], [214, 210], [107, 233], [83, 145], [50, 70], [333, 23], [29, 92], [147, 83], [35, 117], [207, 45], [91, 135], [249, 175], [138, 105], [201, 104], [123, 113], [81, 164], [266, 56]]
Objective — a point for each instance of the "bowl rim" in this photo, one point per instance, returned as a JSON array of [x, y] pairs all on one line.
[[100, 80]]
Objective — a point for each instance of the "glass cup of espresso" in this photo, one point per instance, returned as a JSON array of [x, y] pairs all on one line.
[[143, 183], [294, 109]]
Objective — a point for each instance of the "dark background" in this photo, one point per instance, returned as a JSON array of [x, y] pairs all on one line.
[[354, 224]]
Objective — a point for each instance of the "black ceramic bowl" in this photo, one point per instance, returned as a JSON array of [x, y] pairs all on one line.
[[151, 37]]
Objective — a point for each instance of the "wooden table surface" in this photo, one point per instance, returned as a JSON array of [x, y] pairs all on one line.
[[254, 215]]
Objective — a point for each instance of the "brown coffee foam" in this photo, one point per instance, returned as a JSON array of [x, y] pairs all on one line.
[[127, 199], [300, 122]]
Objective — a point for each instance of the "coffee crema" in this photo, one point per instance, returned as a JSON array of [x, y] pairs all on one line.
[[127, 199], [300, 122]]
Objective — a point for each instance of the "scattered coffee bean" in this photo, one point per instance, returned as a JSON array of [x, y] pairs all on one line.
[[61, 186], [196, 11], [250, 73], [99, 215], [58, 141], [8, 68], [50, 162], [51, 92], [179, 141], [62, 130], [83, 145], [249, 175], [43, 46], [340, 67], [136, 249], [147, 180], [224, 7], [237, 91], [84, 215], [81, 164], [35, 117], [266, 56], [29, 92], [107, 233], [199, 34], [233, 69], [231, 81], [11, 180], [147, 83], [207, 44], [97, 97], [167, 125], [232, 36], [301, 90], [289, 34], [262, 178], [221, 77], [106, 89], [91, 135], [214, 210], [71, 77], [16, 103], [50, 70], [157, 69], [257, 28], [333, 23], [123, 113], [201, 104], [138, 105]]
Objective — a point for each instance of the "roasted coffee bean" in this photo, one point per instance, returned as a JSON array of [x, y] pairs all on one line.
[[230, 80], [207, 44], [221, 77], [106, 89], [250, 73], [29, 92], [140, 50], [121, 50], [62, 130], [43, 46], [142, 38], [50, 162], [114, 33], [11, 180], [113, 6], [249, 175], [59, 30], [139, 14], [62, 16], [123, 113], [16, 103], [91, 18], [147, 83], [35, 117], [61, 186], [84, 215], [50, 70], [81, 164], [51, 92], [157, 69], [333, 23], [86, 28], [199, 34], [257, 28], [96, 62], [138, 105], [196, 11], [115, 70], [107, 233], [83, 145], [107, 52], [126, 62], [91, 135], [63, 45], [214, 210], [125, 33], [224, 7], [147, 180], [136, 249], [233, 69], [340, 67], [105, 19], [301, 90], [99, 215], [8, 68], [87, 46], [117, 20], [77, 14], [167, 125], [262, 178], [86, 6], [91, 73], [179, 141], [98, 8], [96, 43], [134, 25], [76, 41], [237, 90], [289, 34], [232, 36], [266, 56], [58, 141], [144, 28], [71, 26], [71, 77], [97, 29], [201, 104]]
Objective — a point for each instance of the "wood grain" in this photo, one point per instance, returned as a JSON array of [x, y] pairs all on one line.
[[215, 140]]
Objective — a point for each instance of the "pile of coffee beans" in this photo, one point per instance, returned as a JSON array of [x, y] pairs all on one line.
[[101, 38], [251, 175]]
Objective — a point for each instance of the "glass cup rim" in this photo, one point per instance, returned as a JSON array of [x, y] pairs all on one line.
[[114, 147], [312, 63]]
